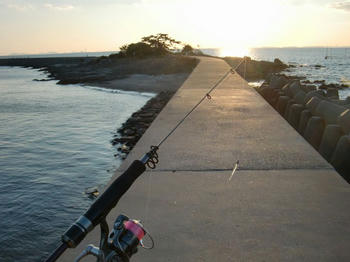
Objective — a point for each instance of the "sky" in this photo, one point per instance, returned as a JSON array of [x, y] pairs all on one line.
[[46, 26]]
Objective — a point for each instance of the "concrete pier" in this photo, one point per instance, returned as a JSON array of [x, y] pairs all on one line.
[[285, 203]]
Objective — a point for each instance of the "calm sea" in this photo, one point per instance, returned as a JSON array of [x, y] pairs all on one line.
[[309, 62], [54, 143]]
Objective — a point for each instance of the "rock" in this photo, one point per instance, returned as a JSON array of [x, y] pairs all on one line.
[[128, 132], [136, 125], [125, 149], [319, 81], [278, 62], [123, 139], [306, 82], [141, 131], [332, 92], [92, 192], [42, 80]]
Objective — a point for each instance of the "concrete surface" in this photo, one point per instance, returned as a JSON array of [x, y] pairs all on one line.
[[285, 203]]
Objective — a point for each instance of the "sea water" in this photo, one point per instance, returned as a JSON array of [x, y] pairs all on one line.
[[314, 63], [54, 143]]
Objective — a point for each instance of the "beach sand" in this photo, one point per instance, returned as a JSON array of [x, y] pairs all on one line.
[[145, 83]]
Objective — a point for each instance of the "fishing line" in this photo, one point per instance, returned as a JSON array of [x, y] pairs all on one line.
[[207, 95], [152, 156], [148, 197]]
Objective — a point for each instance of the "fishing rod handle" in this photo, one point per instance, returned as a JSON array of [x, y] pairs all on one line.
[[103, 205], [57, 253]]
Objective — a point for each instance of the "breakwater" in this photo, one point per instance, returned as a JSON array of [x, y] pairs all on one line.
[[317, 114], [284, 203]]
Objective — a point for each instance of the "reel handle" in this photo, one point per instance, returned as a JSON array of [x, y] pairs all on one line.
[[99, 209]]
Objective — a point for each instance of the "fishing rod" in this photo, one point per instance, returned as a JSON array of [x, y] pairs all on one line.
[[120, 244]]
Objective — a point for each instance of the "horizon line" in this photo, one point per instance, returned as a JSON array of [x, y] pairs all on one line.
[[111, 51]]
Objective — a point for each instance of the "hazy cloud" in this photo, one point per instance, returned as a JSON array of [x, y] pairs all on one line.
[[17, 5], [64, 7], [342, 6]]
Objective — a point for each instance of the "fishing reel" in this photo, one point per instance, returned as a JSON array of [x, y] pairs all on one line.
[[122, 242]]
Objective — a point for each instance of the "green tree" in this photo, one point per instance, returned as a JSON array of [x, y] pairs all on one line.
[[162, 43], [187, 50], [139, 49]]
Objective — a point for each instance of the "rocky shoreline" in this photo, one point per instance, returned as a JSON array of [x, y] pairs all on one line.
[[103, 70], [131, 131]]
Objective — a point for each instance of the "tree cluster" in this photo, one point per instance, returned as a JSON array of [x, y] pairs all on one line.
[[153, 45]]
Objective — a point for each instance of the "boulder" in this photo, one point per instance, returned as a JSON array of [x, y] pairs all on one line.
[[278, 62]]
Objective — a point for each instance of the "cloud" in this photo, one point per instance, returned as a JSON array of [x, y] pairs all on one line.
[[345, 6], [66, 7], [17, 5]]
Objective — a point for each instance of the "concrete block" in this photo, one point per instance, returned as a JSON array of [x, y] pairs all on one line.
[[270, 95], [304, 119], [295, 88], [332, 92], [295, 114], [277, 81], [312, 104], [329, 111], [314, 131], [282, 104], [330, 138], [289, 103], [344, 121], [318, 93], [298, 99], [341, 157]]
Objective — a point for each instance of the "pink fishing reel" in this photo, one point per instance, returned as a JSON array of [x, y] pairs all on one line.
[[126, 236]]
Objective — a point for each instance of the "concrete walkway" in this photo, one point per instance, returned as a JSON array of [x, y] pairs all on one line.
[[285, 203]]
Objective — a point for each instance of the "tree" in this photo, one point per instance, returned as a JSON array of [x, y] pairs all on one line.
[[187, 50], [153, 45], [162, 43], [138, 50]]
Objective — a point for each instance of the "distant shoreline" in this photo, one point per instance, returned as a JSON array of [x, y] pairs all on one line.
[[153, 74]]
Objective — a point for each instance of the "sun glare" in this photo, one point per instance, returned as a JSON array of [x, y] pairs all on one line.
[[234, 51]]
